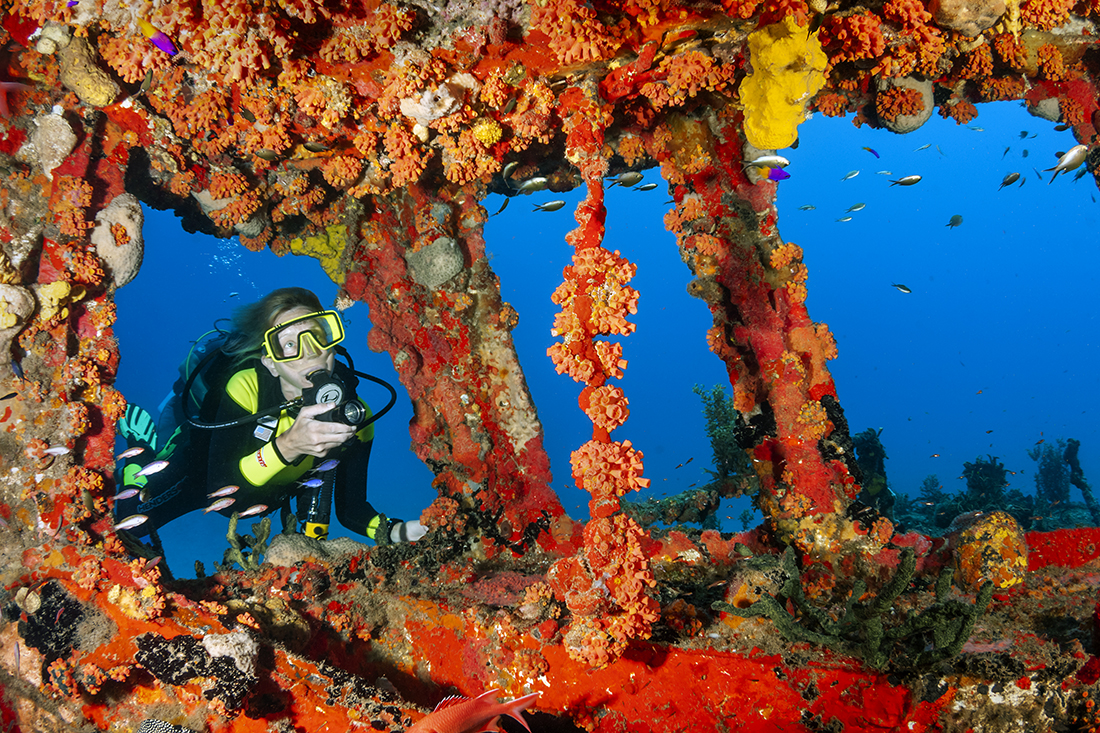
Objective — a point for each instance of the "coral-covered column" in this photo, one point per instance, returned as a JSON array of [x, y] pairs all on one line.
[[755, 286], [435, 308], [604, 586]]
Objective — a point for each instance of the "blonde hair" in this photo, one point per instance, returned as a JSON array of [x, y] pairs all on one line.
[[251, 322]]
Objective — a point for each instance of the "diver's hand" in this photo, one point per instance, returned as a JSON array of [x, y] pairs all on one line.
[[309, 436], [407, 531]]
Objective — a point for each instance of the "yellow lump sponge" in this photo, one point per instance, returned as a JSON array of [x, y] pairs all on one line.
[[788, 68]]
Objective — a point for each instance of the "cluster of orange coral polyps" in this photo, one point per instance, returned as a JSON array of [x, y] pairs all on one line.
[[962, 111], [607, 471], [852, 37], [576, 32], [1046, 15], [1051, 63], [897, 102], [1011, 51]]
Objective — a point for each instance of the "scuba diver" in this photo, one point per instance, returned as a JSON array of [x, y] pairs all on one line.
[[277, 418]]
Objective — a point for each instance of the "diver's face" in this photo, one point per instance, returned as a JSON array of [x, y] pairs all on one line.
[[292, 374]]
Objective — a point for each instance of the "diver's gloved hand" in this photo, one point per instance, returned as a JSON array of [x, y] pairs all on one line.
[[407, 531]]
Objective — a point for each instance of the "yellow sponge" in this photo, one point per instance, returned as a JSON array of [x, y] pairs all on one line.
[[788, 68]]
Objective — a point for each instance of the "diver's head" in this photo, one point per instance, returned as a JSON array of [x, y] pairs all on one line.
[[298, 343], [278, 329]]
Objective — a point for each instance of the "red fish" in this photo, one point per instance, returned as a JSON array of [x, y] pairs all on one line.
[[459, 714]]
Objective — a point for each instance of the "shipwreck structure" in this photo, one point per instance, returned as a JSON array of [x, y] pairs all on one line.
[[366, 134]]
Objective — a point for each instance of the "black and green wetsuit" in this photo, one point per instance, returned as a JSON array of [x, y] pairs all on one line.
[[246, 456]]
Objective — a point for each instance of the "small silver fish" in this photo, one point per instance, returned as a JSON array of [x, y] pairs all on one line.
[[129, 453], [223, 491], [845, 218], [922, 147], [550, 205], [646, 187], [253, 510], [538, 183], [134, 520], [906, 181], [626, 179], [58, 450], [856, 207], [807, 207], [769, 161], [977, 129], [901, 287], [128, 493], [219, 505], [884, 173], [955, 221], [851, 174], [1072, 158], [152, 468], [508, 169], [328, 465]]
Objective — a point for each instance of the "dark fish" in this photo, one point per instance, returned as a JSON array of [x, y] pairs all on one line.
[[268, 155], [627, 179], [955, 221], [1023, 134], [1023, 154], [906, 181], [17, 370], [538, 183], [247, 114], [315, 147], [901, 287], [9, 395], [147, 82], [1009, 180], [1006, 152], [502, 206], [1062, 128], [550, 205]]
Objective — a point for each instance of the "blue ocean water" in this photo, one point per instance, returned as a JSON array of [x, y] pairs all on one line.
[[991, 352]]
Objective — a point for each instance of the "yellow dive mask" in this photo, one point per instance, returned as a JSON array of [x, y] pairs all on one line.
[[287, 340]]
